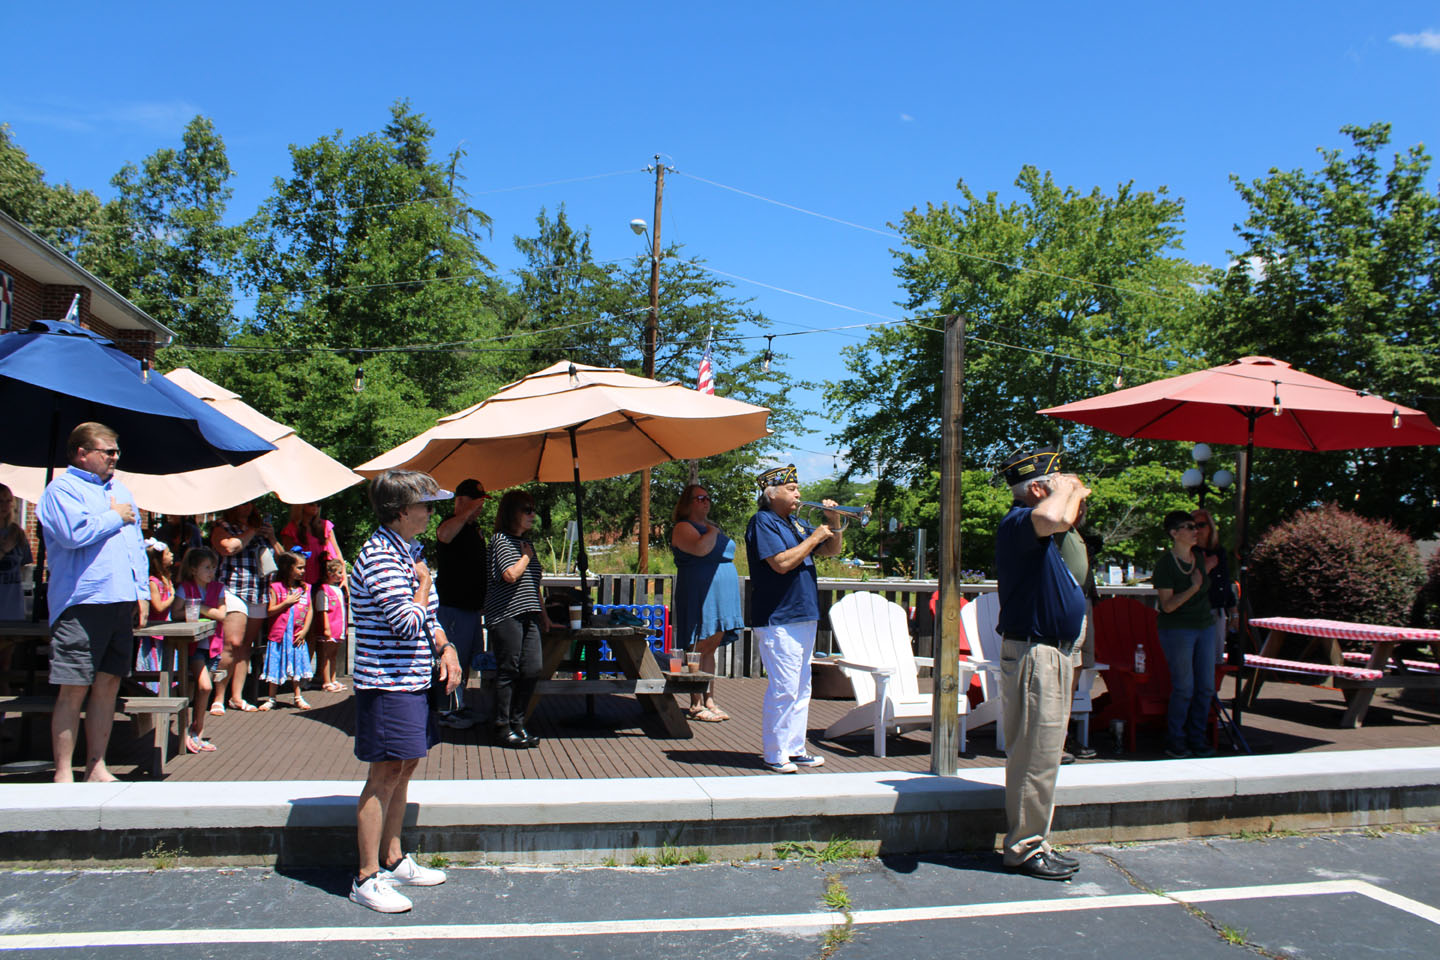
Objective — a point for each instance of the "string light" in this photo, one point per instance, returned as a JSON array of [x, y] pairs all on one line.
[[144, 369], [1395, 418], [1120, 374], [1276, 409], [765, 364], [574, 376], [359, 378]]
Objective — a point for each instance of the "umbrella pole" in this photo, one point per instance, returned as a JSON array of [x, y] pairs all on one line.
[[581, 560], [1237, 645], [40, 601]]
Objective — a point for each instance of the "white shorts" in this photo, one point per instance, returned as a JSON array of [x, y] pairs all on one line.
[[254, 611]]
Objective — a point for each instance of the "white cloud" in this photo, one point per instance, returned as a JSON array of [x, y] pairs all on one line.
[[906, 118], [155, 116], [1425, 40]]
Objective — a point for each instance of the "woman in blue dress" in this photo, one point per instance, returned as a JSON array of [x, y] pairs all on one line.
[[706, 612]]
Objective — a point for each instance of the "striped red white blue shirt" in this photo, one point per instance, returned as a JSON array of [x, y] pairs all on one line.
[[391, 652]]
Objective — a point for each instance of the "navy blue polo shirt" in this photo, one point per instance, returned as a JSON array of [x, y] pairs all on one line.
[[779, 597], [1038, 595]]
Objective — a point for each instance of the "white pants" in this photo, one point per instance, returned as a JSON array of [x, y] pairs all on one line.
[[786, 649]]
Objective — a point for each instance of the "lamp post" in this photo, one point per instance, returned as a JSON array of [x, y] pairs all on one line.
[[1194, 480]]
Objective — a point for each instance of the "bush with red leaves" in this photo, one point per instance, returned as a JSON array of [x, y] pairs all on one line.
[[1427, 605], [1331, 564]]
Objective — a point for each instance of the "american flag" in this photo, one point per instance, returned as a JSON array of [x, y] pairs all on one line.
[[705, 379]]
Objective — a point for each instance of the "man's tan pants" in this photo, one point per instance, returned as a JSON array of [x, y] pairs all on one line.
[[1035, 682]]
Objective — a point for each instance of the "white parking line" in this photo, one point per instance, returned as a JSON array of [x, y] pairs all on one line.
[[799, 923]]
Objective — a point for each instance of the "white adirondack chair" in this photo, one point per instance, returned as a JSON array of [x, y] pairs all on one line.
[[979, 621], [875, 655]]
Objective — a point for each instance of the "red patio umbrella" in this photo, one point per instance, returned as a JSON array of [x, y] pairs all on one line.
[[1257, 401]]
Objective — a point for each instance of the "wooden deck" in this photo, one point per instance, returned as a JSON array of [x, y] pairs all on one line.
[[316, 745]]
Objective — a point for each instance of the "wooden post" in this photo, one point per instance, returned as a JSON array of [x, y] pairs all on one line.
[[945, 741], [652, 330]]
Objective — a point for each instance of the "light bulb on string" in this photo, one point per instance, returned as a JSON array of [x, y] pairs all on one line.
[[1395, 419], [1276, 409], [359, 378], [145, 372], [1120, 374], [765, 363], [574, 376]]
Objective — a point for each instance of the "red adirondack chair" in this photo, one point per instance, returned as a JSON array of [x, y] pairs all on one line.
[[1120, 624]]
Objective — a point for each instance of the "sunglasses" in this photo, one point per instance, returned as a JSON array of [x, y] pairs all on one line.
[[1202, 524], [106, 451], [1184, 526], [529, 509], [701, 498]]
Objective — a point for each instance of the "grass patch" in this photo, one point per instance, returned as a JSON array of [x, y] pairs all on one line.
[[162, 857], [835, 850], [1232, 936], [641, 859], [438, 860], [701, 855], [609, 862], [837, 898], [670, 855], [1270, 833]]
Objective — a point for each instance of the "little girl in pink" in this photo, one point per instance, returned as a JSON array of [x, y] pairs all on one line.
[[330, 606], [287, 658], [150, 651], [197, 585]]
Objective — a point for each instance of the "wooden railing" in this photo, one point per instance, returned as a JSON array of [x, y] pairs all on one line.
[[742, 659]]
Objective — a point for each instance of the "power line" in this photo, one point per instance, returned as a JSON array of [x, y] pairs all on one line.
[[890, 234]]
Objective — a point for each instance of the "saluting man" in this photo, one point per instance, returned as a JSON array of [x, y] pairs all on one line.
[[785, 610], [1042, 617]]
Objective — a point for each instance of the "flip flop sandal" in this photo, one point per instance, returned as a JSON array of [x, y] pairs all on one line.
[[301, 703], [217, 710], [266, 705], [244, 706], [706, 716]]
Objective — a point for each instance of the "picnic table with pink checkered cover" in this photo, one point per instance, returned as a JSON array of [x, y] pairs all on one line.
[[1365, 674]]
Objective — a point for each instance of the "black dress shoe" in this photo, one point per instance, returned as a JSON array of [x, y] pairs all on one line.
[[1063, 860], [1043, 866], [506, 737], [530, 739]]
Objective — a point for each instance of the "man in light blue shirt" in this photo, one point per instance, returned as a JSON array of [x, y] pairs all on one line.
[[99, 580]]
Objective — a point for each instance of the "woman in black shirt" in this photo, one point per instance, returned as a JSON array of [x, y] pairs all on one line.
[[515, 616]]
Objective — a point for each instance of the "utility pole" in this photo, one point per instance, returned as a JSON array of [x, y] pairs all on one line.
[[652, 333], [945, 739]]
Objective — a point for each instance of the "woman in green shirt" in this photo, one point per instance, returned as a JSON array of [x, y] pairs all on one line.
[[1187, 635]]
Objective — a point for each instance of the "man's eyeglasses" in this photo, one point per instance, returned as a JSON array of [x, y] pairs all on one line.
[[113, 452]]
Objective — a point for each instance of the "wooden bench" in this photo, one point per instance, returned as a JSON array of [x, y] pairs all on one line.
[[157, 711], [1419, 666], [1255, 663]]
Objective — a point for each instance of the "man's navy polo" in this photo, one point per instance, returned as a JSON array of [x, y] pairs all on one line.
[[779, 597], [1038, 595]]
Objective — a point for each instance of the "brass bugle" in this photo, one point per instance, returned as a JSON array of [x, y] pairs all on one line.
[[861, 513]]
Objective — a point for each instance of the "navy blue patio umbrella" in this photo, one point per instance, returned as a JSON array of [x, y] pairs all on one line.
[[56, 375]]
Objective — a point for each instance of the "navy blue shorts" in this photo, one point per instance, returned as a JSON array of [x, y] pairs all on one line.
[[393, 725]]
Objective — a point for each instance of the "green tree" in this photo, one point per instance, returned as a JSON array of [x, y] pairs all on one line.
[[162, 240], [1336, 275], [63, 216], [1007, 267]]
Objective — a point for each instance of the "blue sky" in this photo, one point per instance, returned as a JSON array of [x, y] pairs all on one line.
[[855, 110]]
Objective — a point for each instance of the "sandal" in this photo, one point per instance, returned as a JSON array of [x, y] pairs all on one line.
[[194, 744], [217, 709], [301, 703], [335, 686], [245, 707], [706, 715], [719, 713], [266, 705]]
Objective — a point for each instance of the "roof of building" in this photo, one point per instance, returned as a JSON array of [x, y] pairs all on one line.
[[26, 251]]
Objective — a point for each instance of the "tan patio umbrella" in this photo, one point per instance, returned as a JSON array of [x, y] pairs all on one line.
[[294, 471], [575, 422]]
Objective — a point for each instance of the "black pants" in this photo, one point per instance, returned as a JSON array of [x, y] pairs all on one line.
[[518, 665]]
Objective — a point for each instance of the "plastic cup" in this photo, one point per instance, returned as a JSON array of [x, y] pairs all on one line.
[[692, 663], [675, 663], [192, 610], [575, 613]]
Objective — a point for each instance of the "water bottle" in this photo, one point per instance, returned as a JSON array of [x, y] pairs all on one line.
[[1139, 658]]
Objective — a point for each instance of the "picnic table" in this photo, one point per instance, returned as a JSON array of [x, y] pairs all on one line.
[[642, 676], [1357, 675], [141, 704]]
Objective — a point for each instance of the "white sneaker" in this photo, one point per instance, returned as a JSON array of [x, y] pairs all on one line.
[[806, 760], [408, 873], [379, 896], [785, 766]]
